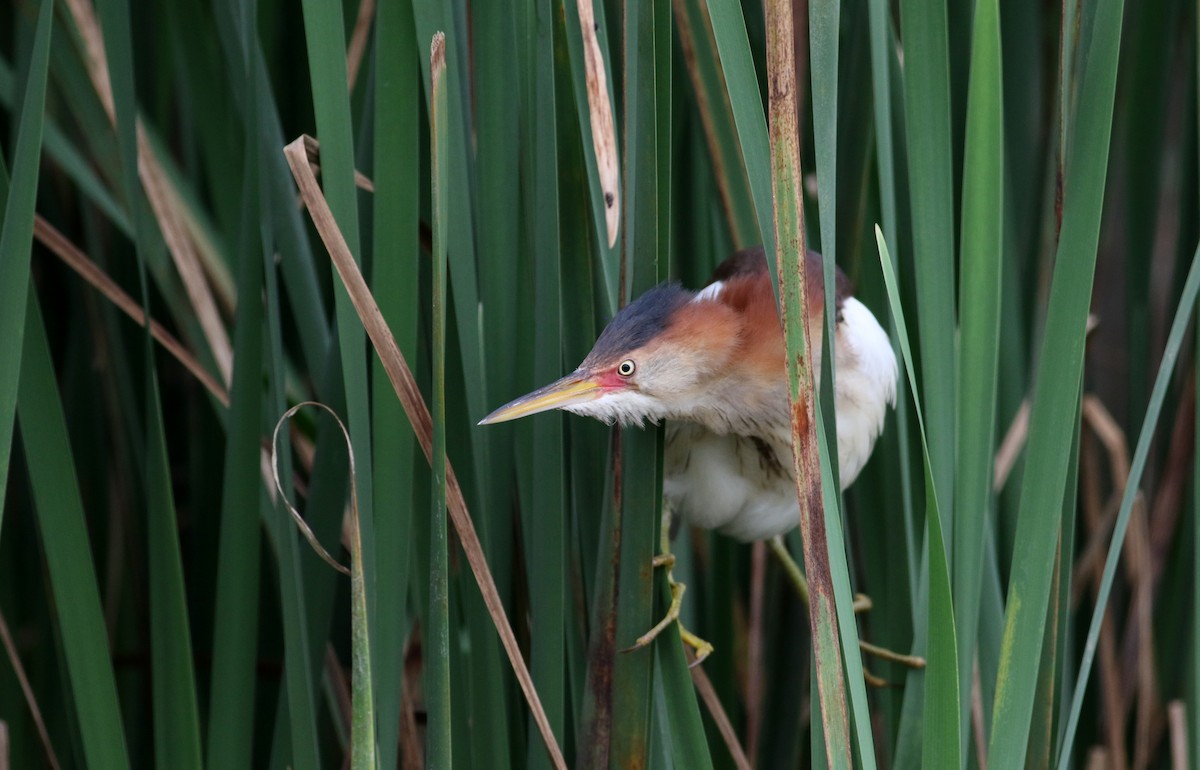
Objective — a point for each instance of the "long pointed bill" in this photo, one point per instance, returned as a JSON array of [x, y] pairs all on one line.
[[575, 388]]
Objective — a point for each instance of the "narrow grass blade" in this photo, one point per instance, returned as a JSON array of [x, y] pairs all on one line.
[[940, 742], [733, 45], [395, 280], [795, 299], [176, 712], [69, 564], [1055, 394], [235, 622], [16, 233], [1187, 302], [900, 591], [979, 336], [1194, 715], [543, 514], [927, 109], [176, 718], [437, 639], [431, 16], [699, 47], [331, 107], [646, 216], [824, 30], [362, 706], [235, 634], [688, 743]]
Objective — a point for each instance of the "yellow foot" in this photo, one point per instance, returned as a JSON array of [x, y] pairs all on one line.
[[912, 661], [876, 681], [700, 648], [862, 603]]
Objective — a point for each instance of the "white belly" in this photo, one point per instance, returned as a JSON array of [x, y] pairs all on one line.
[[745, 486], [739, 485]]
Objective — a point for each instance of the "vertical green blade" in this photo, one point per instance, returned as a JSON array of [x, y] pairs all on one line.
[[437, 639], [979, 340], [545, 517], [940, 739], [69, 564], [794, 297], [395, 284], [235, 636], [646, 145], [713, 102], [927, 112], [16, 233], [176, 718], [729, 28], [1055, 393]]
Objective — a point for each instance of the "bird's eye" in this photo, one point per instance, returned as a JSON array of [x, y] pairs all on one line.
[[626, 367]]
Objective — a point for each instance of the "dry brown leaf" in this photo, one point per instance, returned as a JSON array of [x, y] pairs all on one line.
[[358, 41], [717, 712], [754, 643], [604, 138], [1010, 448], [418, 416], [1177, 717]]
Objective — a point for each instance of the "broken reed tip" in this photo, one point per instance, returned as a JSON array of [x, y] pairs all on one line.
[[437, 50]]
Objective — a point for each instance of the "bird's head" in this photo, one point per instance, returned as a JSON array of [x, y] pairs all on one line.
[[651, 362]]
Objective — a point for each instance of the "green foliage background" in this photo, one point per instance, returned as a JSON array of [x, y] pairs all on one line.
[[1024, 169]]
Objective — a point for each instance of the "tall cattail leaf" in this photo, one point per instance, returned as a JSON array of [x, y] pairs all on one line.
[[69, 563], [790, 255], [230, 738], [824, 28], [1194, 714], [395, 280], [699, 47], [1056, 392], [235, 637], [175, 708], [639, 496], [940, 744], [545, 515], [16, 233], [927, 111], [979, 338], [331, 106], [437, 639], [729, 28]]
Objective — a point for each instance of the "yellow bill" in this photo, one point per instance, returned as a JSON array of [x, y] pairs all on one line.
[[575, 388]]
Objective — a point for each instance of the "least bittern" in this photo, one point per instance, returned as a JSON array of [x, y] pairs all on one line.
[[711, 364]]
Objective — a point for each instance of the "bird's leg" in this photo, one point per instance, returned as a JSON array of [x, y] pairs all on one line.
[[665, 558], [862, 603]]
